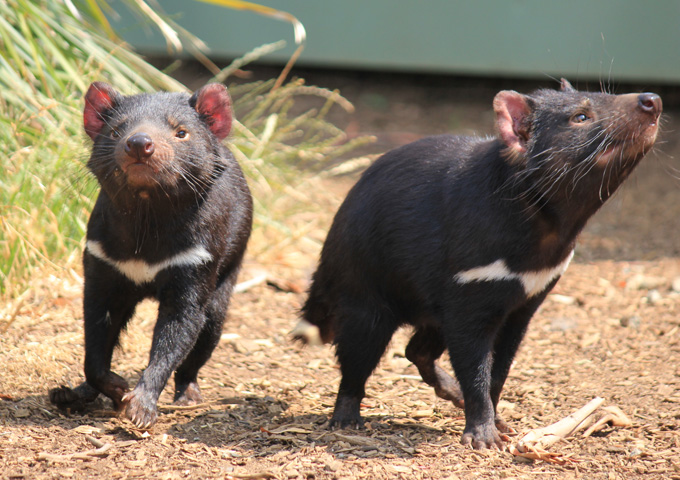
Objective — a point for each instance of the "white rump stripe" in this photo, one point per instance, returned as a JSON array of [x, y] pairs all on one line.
[[141, 272], [533, 282]]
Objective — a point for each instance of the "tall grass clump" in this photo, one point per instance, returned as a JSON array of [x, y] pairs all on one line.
[[50, 51], [285, 157]]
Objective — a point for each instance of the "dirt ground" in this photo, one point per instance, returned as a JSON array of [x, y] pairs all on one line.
[[610, 329]]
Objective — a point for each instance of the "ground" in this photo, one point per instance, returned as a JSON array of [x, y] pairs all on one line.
[[610, 329]]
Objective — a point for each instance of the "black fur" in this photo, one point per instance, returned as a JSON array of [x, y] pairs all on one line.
[[167, 185], [442, 206]]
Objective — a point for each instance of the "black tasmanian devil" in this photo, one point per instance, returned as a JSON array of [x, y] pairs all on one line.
[[171, 222], [463, 238]]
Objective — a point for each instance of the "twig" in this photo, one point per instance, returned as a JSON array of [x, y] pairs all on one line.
[[248, 284], [173, 408], [21, 299], [97, 443], [254, 476], [614, 416], [89, 455]]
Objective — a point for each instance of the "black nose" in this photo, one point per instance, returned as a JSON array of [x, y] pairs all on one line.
[[139, 145], [650, 103]]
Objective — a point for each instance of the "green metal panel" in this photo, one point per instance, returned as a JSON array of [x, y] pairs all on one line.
[[581, 39]]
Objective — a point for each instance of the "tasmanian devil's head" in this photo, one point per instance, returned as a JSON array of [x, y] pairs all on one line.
[[572, 143], [160, 143]]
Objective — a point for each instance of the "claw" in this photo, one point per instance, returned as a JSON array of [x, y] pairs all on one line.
[[483, 436]]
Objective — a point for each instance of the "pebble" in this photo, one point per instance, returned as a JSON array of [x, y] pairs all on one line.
[[636, 452], [563, 299], [633, 321], [654, 297], [562, 324], [245, 346], [676, 284]]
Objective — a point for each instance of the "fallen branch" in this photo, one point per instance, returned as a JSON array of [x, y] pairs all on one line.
[[547, 436], [534, 444]]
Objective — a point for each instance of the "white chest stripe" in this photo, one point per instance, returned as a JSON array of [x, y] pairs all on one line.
[[533, 282], [141, 272]]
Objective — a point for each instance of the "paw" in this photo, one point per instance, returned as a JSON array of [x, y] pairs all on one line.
[[65, 398], [140, 408], [188, 394], [482, 436], [346, 414], [74, 399], [336, 422]]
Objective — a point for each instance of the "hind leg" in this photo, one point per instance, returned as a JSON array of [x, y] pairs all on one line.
[[363, 337], [187, 391], [424, 348], [74, 399]]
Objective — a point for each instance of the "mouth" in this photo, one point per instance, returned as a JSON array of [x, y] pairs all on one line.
[[137, 166], [631, 148], [139, 174]]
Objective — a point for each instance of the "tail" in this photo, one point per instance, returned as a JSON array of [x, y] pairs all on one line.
[[317, 325]]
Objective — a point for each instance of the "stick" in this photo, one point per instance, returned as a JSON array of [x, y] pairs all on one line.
[[544, 437], [89, 455]]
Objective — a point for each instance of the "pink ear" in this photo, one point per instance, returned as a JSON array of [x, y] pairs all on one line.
[[99, 98], [213, 104], [565, 86], [511, 110]]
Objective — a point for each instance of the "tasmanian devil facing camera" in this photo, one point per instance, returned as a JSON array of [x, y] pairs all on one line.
[[171, 222], [464, 237]]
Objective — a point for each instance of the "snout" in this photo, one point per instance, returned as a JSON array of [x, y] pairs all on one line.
[[650, 103], [139, 145]]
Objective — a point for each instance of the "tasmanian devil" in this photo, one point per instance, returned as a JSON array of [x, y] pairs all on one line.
[[171, 222], [463, 238]]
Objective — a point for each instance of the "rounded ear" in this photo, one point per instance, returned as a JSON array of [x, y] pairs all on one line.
[[99, 98], [213, 104], [512, 110], [565, 86]]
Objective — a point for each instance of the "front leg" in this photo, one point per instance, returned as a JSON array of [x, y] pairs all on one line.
[[508, 341], [470, 339], [472, 364], [108, 304], [180, 321]]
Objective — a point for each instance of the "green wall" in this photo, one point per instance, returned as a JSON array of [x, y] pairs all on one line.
[[580, 39]]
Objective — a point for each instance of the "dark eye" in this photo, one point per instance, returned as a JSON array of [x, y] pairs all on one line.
[[579, 118], [181, 133], [115, 133]]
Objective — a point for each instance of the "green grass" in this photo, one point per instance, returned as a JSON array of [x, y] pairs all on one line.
[[48, 56]]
